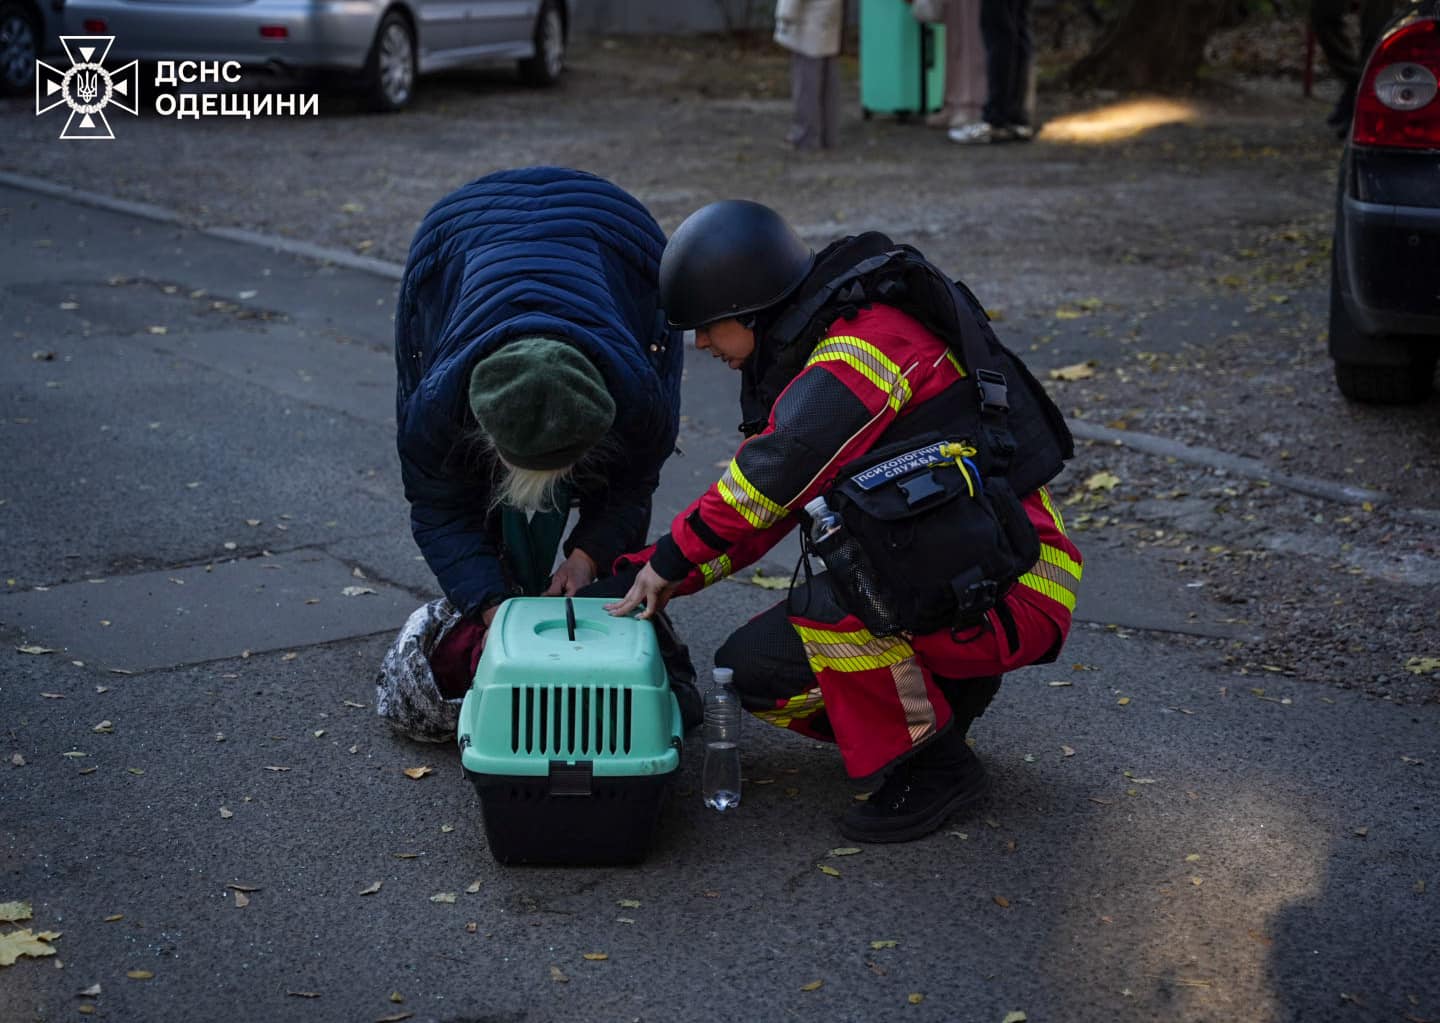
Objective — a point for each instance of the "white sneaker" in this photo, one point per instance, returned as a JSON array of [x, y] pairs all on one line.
[[974, 133]]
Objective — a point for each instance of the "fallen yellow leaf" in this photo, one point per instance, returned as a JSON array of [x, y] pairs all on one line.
[[1002, 902], [139, 974], [446, 897], [12, 912], [418, 772], [15, 944], [558, 975], [1078, 371], [597, 957], [814, 985], [847, 851], [1015, 1017], [915, 999], [827, 869], [884, 944], [769, 582]]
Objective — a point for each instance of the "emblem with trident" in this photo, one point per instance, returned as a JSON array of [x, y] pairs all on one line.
[[87, 88]]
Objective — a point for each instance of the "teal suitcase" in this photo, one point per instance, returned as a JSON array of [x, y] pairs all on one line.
[[902, 62], [570, 733]]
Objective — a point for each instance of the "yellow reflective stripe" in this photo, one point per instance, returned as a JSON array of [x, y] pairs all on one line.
[[807, 704], [714, 571], [1054, 512], [867, 360], [1061, 560], [739, 493], [1056, 576], [852, 651], [956, 363]]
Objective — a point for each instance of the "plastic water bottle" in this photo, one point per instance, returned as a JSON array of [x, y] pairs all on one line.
[[849, 569], [823, 521], [721, 780]]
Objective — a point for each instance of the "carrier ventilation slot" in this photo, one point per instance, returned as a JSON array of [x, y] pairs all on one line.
[[571, 720]]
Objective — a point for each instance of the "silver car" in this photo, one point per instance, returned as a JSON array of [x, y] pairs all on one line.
[[386, 44]]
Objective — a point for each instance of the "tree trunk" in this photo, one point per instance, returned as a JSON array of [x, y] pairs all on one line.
[[1145, 51]]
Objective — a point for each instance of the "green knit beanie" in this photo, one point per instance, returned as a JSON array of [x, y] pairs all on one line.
[[541, 402]]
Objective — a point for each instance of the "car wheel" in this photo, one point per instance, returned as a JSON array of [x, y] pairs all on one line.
[[1405, 382], [1385, 385], [390, 71], [544, 68], [19, 46]]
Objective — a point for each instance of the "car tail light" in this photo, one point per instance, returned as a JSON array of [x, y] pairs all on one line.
[[1397, 101], [95, 26], [274, 32]]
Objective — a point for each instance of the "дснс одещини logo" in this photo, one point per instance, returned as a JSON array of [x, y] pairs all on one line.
[[87, 87]]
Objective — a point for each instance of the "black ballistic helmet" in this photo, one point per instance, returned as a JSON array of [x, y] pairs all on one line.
[[727, 259]]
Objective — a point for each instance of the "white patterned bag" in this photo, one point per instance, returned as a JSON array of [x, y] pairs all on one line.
[[406, 695]]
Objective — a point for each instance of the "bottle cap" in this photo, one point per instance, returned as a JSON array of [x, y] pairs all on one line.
[[723, 676], [816, 506]]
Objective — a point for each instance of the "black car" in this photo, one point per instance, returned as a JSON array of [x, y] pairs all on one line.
[[1385, 276], [28, 29]]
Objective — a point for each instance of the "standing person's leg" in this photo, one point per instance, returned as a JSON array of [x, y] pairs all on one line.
[[1022, 85], [966, 63], [1373, 16], [806, 81], [995, 30], [830, 103], [1327, 21], [954, 44]]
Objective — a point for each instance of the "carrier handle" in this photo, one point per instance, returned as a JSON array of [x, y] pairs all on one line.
[[570, 618]]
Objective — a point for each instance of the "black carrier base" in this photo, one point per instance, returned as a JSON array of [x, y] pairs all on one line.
[[554, 821]]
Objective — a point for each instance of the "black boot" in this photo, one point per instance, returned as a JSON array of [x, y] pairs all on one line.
[[943, 776], [681, 670], [968, 697]]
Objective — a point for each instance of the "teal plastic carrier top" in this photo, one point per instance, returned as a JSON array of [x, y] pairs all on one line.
[[562, 683]]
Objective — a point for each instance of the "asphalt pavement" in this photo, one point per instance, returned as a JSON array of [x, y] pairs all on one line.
[[204, 532]]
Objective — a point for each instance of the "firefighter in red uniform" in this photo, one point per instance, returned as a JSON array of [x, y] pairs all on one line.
[[862, 349]]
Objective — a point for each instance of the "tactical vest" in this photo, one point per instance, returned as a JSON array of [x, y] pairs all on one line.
[[1022, 434], [935, 533]]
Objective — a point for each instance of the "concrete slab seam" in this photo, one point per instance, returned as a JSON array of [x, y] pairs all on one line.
[[147, 211], [1240, 465]]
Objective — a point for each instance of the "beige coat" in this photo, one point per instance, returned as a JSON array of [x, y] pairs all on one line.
[[809, 27]]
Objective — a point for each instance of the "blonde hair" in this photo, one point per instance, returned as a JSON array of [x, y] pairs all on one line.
[[530, 490]]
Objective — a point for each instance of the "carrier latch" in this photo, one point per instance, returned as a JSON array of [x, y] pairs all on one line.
[[568, 779]]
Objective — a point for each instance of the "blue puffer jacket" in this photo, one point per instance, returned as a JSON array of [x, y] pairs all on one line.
[[540, 251]]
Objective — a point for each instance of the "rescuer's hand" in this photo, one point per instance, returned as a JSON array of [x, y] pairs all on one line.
[[649, 590]]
